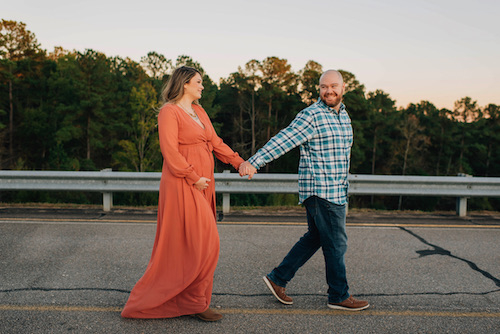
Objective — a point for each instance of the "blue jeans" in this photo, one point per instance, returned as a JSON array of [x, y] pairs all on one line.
[[326, 229]]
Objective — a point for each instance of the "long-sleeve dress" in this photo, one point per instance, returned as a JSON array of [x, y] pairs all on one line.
[[179, 277]]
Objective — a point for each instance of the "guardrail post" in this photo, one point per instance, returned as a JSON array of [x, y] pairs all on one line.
[[107, 201], [107, 198], [462, 201], [226, 199]]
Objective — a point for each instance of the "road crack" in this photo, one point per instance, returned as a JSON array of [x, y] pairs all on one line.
[[436, 250]]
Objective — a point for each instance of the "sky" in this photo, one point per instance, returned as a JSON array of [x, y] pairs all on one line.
[[437, 50]]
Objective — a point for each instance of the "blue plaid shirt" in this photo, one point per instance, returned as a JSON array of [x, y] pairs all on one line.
[[325, 139]]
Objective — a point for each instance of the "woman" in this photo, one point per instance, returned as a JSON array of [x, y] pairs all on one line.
[[179, 277]]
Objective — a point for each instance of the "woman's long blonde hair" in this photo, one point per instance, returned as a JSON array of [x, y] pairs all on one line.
[[173, 90]]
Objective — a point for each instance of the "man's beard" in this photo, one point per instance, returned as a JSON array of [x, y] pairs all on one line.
[[336, 100]]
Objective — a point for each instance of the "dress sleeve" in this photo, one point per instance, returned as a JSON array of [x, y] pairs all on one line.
[[168, 130]]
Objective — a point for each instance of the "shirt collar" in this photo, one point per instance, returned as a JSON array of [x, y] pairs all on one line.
[[330, 109]]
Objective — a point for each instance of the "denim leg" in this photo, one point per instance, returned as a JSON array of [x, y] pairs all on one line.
[[300, 253], [330, 221]]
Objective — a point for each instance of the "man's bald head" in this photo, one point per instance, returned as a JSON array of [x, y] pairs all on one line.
[[332, 74]]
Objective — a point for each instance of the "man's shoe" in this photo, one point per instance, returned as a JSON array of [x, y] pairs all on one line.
[[209, 315], [350, 304], [278, 291]]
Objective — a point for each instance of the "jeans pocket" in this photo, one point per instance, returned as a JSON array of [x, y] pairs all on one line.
[[311, 204]]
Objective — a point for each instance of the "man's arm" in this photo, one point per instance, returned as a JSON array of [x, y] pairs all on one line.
[[300, 130]]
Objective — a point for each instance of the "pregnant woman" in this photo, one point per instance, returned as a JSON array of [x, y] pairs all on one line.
[[179, 277]]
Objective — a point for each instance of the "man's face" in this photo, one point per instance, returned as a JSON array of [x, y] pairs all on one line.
[[331, 89]]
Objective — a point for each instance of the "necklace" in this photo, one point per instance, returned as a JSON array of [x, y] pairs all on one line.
[[189, 113]]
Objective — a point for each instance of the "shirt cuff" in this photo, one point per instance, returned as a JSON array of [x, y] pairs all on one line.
[[192, 178], [237, 164], [256, 161]]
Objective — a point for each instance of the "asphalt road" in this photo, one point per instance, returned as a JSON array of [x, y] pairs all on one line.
[[70, 271]]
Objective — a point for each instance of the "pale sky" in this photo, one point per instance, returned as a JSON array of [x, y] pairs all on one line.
[[435, 50]]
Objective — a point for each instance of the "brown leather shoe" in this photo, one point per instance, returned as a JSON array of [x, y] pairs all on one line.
[[209, 315], [278, 291], [350, 304]]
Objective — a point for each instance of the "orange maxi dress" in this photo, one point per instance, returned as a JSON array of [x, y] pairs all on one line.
[[179, 277]]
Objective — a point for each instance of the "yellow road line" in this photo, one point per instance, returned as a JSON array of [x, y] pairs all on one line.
[[366, 224], [78, 220], [423, 225], [54, 308], [263, 223], [365, 313], [449, 314]]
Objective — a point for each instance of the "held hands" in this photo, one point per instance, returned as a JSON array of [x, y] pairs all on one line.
[[202, 183], [246, 168]]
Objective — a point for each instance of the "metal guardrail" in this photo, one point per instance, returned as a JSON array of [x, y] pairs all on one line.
[[108, 182]]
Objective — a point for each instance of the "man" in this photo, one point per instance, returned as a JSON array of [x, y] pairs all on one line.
[[324, 133]]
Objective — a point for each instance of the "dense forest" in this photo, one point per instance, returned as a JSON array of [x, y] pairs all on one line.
[[81, 110]]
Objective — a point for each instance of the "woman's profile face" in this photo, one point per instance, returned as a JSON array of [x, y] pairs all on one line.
[[194, 87]]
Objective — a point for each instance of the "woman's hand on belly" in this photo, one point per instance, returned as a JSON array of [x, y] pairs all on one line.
[[202, 183]]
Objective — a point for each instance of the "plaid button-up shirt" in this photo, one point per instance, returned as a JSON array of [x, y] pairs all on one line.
[[325, 138]]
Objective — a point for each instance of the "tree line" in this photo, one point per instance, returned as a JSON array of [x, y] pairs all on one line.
[[81, 110]]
